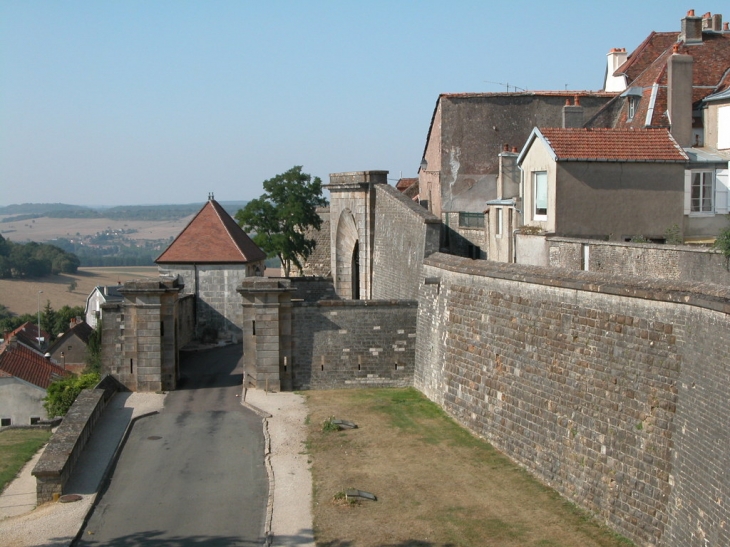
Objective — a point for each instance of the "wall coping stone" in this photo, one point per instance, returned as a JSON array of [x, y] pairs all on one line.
[[357, 304], [652, 246], [427, 216], [702, 295]]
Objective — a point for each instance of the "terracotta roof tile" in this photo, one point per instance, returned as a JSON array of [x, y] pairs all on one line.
[[614, 145], [404, 184], [212, 237], [27, 333], [22, 362]]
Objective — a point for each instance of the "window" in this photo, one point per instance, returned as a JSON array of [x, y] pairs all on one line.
[[540, 192], [471, 220], [4, 422], [632, 107], [500, 220], [34, 420], [702, 192]]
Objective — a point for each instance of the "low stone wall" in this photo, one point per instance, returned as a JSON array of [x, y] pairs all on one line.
[[652, 261], [612, 390], [353, 343], [57, 462]]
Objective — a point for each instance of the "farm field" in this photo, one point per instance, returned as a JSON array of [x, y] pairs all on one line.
[[47, 229], [21, 296]]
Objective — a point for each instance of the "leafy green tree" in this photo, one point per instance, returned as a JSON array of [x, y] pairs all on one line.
[[64, 316], [48, 319], [61, 394], [282, 215], [93, 351]]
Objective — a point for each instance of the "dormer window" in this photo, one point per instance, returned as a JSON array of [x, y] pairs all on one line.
[[632, 94], [632, 107]]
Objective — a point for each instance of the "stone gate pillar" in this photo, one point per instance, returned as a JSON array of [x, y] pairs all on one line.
[[352, 229], [267, 332], [139, 338]]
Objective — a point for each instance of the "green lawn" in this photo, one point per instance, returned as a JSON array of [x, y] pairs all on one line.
[[17, 446]]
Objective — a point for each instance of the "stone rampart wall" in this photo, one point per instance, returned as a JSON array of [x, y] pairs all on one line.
[[57, 462], [674, 262], [613, 392], [346, 344], [405, 232]]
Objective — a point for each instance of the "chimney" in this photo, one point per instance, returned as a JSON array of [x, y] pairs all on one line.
[[572, 114], [508, 180], [691, 29], [679, 97], [615, 58], [717, 22]]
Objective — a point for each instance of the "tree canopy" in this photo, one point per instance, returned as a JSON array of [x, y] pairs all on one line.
[[281, 217], [34, 259]]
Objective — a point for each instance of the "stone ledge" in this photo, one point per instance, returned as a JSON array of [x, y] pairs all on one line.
[[703, 295]]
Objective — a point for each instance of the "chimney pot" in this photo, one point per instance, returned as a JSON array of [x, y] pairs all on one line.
[[567, 102], [514, 149], [726, 26], [576, 100], [505, 148], [691, 13]]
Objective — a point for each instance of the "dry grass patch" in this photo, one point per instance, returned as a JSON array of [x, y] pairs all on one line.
[[17, 446], [437, 485]]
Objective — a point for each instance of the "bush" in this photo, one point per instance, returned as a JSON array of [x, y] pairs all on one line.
[[723, 243], [61, 394]]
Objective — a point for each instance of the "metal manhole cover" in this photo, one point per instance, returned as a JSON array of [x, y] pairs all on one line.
[[68, 498], [154, 438]]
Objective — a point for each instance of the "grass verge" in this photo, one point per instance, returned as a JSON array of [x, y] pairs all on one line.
[[17, 446], [436, 484]]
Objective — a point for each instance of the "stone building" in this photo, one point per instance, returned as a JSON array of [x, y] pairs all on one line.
[[211, 256]]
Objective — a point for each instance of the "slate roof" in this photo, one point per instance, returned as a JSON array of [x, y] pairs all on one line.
[[27, 333], [81, 329], [625, 145], [212, 237], [26, 364]]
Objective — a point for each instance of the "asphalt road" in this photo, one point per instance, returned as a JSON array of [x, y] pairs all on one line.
[[192, 475]]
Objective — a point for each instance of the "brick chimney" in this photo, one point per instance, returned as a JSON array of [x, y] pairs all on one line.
[[679, 97], [691, 29], [572, 114], [615, 58]]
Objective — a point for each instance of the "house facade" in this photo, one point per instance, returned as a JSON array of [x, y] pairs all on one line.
[[70, 348], [97, 298], [25, 375], [605, 184]]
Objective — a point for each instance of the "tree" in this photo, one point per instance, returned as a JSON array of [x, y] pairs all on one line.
[[282, 215]]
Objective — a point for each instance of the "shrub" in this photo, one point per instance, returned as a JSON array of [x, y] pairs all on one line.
[[61, 394]]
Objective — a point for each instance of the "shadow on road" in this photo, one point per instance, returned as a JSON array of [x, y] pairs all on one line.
[[215, 367], [156, 538]]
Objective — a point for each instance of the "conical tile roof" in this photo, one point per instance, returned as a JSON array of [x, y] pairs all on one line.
[[211, 237]]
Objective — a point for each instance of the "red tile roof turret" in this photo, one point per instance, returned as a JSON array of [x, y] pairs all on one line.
[[212, 237]]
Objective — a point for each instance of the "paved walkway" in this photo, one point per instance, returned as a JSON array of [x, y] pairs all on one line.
[[57, 524]]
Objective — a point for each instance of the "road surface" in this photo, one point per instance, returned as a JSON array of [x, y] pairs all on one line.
[[193, 474]]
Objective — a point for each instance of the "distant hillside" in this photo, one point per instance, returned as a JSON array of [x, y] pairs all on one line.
[[27, 211]]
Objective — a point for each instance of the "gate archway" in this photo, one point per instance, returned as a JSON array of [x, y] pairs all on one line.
[[347, 248]]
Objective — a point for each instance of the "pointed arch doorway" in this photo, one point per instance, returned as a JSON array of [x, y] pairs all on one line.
[[347, 258]]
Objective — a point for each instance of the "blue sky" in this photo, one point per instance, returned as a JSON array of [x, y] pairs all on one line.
[[146, 102]]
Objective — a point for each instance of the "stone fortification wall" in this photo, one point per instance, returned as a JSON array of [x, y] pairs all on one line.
[[675, 262], [313, 289], [613, 392], [405, 232], [345, 344], [319, 264]]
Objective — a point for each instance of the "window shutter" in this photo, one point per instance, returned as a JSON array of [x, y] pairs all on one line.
[[687, 191], [721, 191]]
